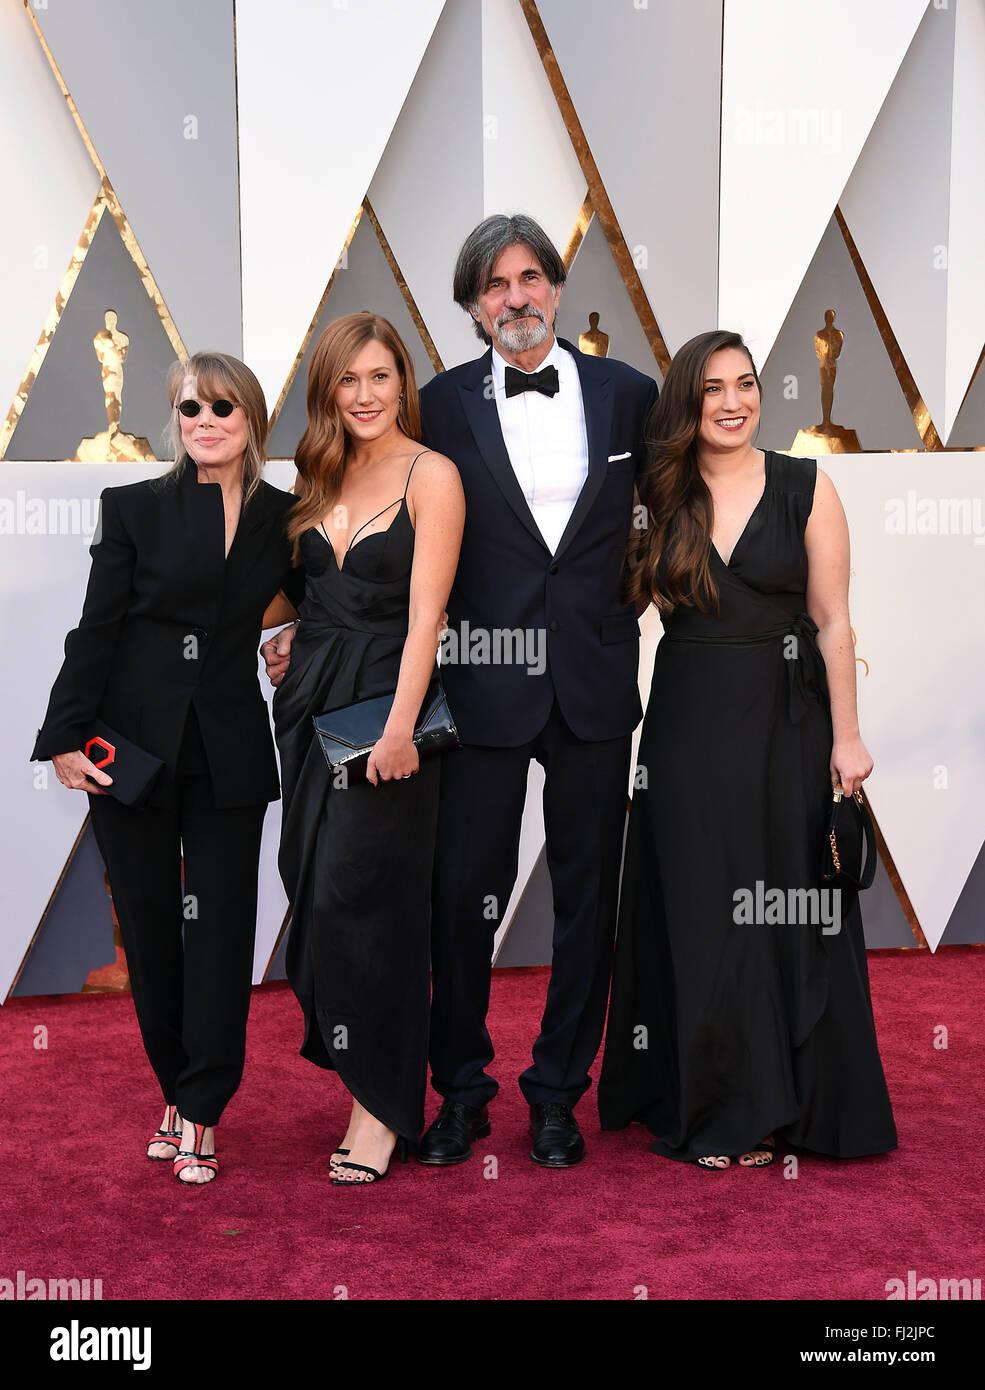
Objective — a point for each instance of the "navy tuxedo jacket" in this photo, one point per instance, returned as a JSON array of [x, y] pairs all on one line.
[[571, 603], [169, 622]]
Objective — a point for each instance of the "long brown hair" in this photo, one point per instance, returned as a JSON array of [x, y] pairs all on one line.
[[322, 452], [217, 374], [672, 563]]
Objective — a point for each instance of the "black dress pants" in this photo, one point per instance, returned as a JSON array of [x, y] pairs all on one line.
[[189, 946], [480, 811]]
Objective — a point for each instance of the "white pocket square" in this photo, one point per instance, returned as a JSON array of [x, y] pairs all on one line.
[[614, 458]]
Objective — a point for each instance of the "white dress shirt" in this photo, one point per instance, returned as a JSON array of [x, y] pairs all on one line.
[[547, 442]]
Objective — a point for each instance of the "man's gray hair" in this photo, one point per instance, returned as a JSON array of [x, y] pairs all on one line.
[[482, 247]]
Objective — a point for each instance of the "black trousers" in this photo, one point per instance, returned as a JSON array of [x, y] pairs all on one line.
[[480, 811], [189, 947]]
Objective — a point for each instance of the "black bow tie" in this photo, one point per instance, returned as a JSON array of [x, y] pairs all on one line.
[[544, 381]]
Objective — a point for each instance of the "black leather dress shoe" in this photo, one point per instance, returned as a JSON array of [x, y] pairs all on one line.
[[449, 1140], [557, 1138]]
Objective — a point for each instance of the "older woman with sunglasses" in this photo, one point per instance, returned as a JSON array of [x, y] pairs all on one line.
[[165, 658]]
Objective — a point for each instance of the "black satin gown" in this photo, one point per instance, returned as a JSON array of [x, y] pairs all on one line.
[[356, 861], [720, 1032]]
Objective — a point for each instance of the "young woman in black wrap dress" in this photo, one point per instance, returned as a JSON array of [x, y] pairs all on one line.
[[727, 1034]]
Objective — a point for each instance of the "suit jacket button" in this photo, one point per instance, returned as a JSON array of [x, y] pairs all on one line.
[[554, 625], [553, 569]]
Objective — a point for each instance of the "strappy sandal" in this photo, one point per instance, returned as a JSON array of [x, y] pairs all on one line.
[[765, 1146], [171, 1135], [400, 1149], [374, 1175], [194, 1158], [710, 1163]]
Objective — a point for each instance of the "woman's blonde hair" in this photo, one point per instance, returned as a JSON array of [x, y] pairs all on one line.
[[322, 451], [219, 375]]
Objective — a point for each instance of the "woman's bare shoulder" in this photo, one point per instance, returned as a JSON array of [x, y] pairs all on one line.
[[432, 469]]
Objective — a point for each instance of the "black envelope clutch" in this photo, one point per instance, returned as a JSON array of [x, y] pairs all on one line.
[[133, 771], [347, 735], [848, 857]]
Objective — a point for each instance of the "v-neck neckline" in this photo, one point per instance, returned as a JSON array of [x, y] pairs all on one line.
[[767, 470], [400, 503]]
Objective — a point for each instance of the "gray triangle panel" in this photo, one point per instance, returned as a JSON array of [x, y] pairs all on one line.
[[277, 969], [645, 81], [884, 923], [366, 282], [867, 395], [966, 924], [66, 403], [529, 938], [76, 936], [155, 86], [969, 427], [594, 285], [427, 190], [908, 149]]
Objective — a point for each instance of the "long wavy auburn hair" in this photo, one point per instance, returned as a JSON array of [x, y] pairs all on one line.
[[322, 452], [672, 562]]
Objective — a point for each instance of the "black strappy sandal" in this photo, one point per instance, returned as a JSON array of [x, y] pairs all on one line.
[[375, 1175], [767, 1146]]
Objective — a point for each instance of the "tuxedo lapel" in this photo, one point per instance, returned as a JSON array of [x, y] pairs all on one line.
[[596, 395], [479, 403]]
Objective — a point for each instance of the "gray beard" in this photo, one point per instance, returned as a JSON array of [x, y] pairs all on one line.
[[516, 337]]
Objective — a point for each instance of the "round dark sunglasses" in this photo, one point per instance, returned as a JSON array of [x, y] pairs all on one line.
[[220, 408]]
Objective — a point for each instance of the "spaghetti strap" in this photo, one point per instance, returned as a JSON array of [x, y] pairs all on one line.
[[407, 484], [371, 520], [395, 503]]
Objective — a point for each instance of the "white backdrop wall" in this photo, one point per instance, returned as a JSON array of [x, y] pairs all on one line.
[[750, 163]]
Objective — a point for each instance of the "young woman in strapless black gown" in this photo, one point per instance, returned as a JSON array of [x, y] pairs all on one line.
[[378, 525], [724, 1034]]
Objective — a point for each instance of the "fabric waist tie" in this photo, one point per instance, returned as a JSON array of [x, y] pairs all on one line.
[[325, 625], [806, 672]]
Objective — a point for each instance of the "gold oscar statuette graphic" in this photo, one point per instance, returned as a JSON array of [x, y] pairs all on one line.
[[112, 444], [594, 342], [827, 438]]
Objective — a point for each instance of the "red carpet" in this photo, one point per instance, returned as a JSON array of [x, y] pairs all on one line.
[[78, 1200]]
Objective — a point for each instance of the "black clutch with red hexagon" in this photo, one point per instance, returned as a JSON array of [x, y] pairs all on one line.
[[133, 771]]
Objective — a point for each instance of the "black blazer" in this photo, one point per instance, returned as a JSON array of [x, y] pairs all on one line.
[[169, 624], [508, 579]]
